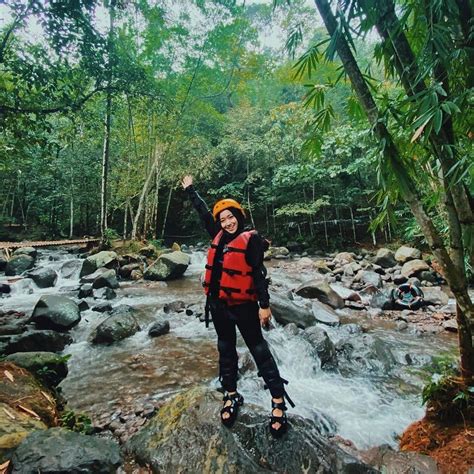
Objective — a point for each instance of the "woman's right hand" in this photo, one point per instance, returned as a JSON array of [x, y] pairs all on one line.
[[187, 181]]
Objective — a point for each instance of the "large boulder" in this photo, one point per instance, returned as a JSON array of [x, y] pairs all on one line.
[[25, 406], [19, 264], [385, 258], [191, 419], [55, 312], [107, 279], [126, 270], [48, 367], [119, 325], [369, 277], [43, 277], [404, 254], [102, 259], [414, 267], [34, 340], [159, 328], [434, 295], [383, 300], [168, 267], [286, 311], [93, 276], [323, 346], [70, 268], [321, 290], [58, 450], [31, 251]]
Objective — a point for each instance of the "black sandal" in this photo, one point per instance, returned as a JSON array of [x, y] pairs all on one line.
[[278, 432], [236, 400]]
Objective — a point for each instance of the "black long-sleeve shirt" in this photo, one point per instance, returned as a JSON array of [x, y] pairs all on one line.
[[253, 254]]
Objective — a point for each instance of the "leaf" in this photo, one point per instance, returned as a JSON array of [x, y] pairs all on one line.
[[419, 131], [31, 412], [45, 395], [437, 121], [9, 375], [4, 467], [9, 414]]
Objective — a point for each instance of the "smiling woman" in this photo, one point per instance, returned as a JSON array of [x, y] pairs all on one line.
[[237, 296]]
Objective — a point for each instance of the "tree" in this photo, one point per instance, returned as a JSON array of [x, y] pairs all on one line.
[[424, 121]]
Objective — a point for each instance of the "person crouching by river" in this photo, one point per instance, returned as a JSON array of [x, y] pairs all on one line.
[[237, 296]]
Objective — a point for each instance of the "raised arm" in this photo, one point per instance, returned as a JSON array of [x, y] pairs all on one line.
[[200, 206]]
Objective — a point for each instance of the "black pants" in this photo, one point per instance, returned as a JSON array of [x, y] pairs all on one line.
[[245, 317]]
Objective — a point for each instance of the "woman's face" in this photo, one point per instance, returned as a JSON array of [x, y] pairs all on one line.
[[228, 221]]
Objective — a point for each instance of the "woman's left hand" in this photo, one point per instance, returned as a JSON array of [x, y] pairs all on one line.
[[265, 315]]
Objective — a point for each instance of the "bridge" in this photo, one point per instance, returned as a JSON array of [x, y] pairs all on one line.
[[46, 243]]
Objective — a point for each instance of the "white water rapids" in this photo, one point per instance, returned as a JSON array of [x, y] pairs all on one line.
[[364, 404]]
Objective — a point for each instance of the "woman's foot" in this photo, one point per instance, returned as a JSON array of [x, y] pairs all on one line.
[[230, 410], [278, 421]]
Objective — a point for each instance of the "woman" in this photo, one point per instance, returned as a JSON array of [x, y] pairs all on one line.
[[237, 295]]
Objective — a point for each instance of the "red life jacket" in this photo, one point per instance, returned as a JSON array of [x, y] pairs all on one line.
[[236, 285]]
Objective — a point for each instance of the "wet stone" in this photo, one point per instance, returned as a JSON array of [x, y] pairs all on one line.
[[102, 307]]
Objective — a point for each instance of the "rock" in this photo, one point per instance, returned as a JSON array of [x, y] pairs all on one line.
[[345, 293], [102, 259], [429, 276], [414, 267], [323, 346], [404, 254], [343, 258], [414, 281], [385, 258], [70, 268], [105, 294], [293, 247], [325, 314], [321, 266], [30, 251], [25, 390], [177, 306], [58, 450], [159, 328], [3, 261], [43, 277], [191, 419], [5, 289], [85, 291], [350, 269], [19, 264], [56, 312], [304, 262], [168, 267], [48, 367], [92, 276], [286, 311], [106, 279], [385, 459], [83, 306], [149, 251], [451, 325], [321, 290], [126, 270], [371, 278], [102, 307], [119, 325], [399, 279], [434, 295], [35, 340], [136, 275], [402, 325], [12, 322], [382, 300], [274, 252]]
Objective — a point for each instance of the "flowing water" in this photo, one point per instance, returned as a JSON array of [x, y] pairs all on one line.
[[368, 401]]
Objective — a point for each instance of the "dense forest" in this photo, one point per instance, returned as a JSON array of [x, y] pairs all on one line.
[[105, 106]]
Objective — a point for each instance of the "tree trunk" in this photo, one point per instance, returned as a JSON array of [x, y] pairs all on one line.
[[166, 213], [106, 147], [408, 191]]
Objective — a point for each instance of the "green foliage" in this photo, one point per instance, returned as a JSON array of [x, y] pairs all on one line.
[[78, 422], [109, 236]]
